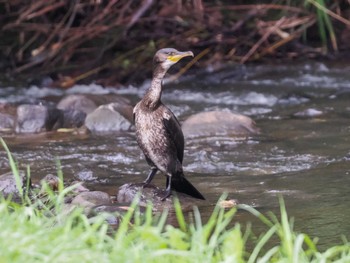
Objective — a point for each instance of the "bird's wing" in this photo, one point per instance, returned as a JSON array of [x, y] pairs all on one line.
[[173, 128]]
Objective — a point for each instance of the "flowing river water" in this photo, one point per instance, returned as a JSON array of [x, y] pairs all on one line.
[[302, 152]]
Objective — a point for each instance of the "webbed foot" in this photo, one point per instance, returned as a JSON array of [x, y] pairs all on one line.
[[167, 194]]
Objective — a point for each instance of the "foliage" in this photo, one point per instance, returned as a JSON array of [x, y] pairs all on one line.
[[46, 232], [80, 39]]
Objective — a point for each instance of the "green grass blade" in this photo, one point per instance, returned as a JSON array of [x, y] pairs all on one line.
[[265, 238], [179, 215]]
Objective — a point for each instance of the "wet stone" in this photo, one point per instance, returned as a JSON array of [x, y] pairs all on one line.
[[113, 208], [73, 118], [216, 123], [8, 184], [37, 118], [54, 119], [108, 98], [107, 118], [68, 209], [51, 181], [31, 118], [6, 122], [228, 203], [115, 212], [91, 199], [112, 220], [153, 194], [79, 187], [77, 102]]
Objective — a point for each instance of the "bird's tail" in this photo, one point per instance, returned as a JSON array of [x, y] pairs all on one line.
[[181, 184]]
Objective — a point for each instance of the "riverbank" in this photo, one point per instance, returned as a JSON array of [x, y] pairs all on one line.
[[73, 43]]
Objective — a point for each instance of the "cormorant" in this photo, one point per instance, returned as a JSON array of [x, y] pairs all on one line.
[[158, 132]]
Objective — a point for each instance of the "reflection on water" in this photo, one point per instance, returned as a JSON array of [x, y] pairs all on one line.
[[305, 160]]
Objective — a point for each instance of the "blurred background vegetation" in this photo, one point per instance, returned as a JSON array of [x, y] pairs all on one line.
[[111, 40]]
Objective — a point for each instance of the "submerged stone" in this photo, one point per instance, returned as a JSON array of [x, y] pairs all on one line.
[[308, 113], [214, 123]]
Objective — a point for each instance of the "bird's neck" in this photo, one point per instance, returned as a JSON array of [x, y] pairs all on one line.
[[154, 93]]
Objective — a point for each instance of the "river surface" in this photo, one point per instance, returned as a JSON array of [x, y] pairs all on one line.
[[305, 159]]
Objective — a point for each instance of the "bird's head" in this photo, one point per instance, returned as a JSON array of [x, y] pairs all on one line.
[[167, 57]]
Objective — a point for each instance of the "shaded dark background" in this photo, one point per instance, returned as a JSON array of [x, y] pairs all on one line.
[[107, 41]]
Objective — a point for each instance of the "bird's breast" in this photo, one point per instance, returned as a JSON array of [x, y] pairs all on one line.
[[150, 131]]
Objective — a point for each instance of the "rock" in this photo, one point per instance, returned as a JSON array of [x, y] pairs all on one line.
[[51, 181], [113, 208], [6, 122], [115, 211], [89, 102], [111, 219], [215, 123], [8, 185], [108, 98], [67, 209], [228, 203], [79, 187], [54, 119], [152, 194], [110, 117], [78, 102], [77, 107], [308, 113], [37, 118], [73, 118], [31, 118], [91, 199], [86, 175]]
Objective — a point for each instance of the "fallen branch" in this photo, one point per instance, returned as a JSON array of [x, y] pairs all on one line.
[[270, 31]]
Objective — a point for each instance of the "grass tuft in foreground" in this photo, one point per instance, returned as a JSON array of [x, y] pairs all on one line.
[[46, 232]]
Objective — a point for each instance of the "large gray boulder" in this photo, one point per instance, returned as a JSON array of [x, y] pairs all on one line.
[[216, 123], [89, 102], [77, 102], [37, 118], [110, 117]]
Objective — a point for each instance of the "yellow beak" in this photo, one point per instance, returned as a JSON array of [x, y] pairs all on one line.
[[175, 58]]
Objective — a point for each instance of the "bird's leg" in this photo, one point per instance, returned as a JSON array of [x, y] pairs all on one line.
[[167, 181], [150, 177], [168, 188]]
